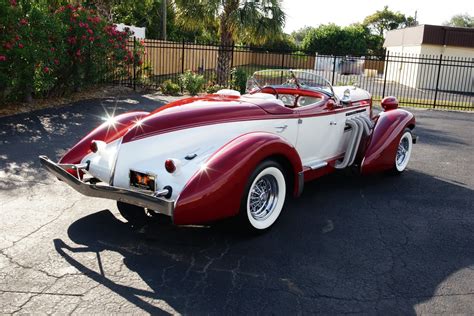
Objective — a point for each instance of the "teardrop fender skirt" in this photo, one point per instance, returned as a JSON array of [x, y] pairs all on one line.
[[383, 143], [215, 191]]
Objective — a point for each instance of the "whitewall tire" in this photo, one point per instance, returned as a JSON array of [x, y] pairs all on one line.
[[264, 196], [403, 154]]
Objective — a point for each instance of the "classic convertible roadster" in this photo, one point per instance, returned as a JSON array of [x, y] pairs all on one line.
[[210, 157]]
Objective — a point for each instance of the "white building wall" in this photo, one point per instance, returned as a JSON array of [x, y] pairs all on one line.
[[424, 76], [452, 76], [399, 69]]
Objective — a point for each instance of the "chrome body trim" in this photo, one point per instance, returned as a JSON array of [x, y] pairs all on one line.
[[313, 165], [112, 175], [156, 204]]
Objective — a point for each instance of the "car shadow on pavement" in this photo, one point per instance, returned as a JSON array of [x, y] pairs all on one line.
[[348, 244]]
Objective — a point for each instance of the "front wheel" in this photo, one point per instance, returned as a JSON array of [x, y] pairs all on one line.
[[403, 154], [264, 196]]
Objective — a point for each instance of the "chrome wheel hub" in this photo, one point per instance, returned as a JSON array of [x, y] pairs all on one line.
[[263, 197]]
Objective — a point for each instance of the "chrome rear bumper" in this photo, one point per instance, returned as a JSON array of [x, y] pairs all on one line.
[[149, 201]]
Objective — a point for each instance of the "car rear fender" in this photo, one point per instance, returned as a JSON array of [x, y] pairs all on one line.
[[215, 190], [107, 132], [382, 145]]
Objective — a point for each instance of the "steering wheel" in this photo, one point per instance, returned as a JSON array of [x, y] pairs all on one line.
[[272, 88]]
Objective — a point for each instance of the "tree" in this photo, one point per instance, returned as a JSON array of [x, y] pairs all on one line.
[[280, 42], [385, 20], [149, 14], [333, 39], [411, 21], [461, 20], [248, 21], [300, 34]]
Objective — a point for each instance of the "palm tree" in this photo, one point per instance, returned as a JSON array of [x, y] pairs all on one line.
[[248, 21]]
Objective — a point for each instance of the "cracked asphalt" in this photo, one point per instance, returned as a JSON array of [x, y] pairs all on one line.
[[350, 244]]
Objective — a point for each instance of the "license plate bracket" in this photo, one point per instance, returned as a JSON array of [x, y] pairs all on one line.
[[142, 180]]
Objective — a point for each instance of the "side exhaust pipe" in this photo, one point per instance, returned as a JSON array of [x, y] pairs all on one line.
[[359, 125], [351, 144]]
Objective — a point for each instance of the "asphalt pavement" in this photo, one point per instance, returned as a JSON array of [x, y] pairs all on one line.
[[349, 244]]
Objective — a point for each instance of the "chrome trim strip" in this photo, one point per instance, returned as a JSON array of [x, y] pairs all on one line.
[[316, 164], [112, 175], [156, 204]]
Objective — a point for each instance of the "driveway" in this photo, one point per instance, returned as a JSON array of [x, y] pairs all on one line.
[[377, 244]]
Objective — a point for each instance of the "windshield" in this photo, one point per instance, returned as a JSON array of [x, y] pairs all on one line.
[[289, 78]]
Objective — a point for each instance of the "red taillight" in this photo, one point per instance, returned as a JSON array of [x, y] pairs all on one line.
[[170, 165], [93, 147]]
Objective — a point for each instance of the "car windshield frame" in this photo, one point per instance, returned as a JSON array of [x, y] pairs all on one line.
[[289, 78]]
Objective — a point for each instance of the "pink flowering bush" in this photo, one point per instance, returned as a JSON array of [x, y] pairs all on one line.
[[45, 51]]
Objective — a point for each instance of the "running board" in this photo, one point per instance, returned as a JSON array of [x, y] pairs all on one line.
[[316, 165]]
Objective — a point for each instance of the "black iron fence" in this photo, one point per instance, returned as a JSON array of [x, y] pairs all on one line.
[[431, 81]]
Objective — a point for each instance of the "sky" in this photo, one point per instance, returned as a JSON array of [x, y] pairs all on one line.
[[302, 13]]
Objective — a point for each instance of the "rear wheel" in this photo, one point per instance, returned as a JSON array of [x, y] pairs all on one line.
[[264, 197], [135, 215], [403, 154]]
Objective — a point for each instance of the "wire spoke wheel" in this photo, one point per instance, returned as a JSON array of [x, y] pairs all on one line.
[[265, 196]]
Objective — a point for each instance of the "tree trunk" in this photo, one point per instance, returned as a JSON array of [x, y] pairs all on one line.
[[224, 57], [164, 9], [224, 54]]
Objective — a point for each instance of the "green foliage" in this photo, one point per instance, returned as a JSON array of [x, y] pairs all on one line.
[[299, 35], [382, 21], [192, 82], [239, 79], [250, 22], [213, 88], [44, 51], [461, 20], [241, 21], [333, 39], [375, 44], [148, 14], [168, 87], [280, 42]]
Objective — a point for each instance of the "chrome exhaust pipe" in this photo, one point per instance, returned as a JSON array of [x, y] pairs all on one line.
[[353, 153], [360, 125], [351, 144]]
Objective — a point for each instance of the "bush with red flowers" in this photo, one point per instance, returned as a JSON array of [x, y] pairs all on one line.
[[45, 51]]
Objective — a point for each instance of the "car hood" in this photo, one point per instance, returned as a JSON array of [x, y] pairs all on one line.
[[194, 112]]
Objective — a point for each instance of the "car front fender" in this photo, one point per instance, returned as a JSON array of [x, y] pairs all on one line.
[[382, 145], [216, 189]]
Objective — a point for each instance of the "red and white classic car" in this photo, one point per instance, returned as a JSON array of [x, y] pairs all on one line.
[[210, 157]]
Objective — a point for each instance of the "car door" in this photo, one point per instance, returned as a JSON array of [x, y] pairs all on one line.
[[320, 134]]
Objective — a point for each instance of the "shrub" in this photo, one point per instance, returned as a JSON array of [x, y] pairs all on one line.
[[45, 51], [239, 79], [168, 87], [213, 88], [192, 82]]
